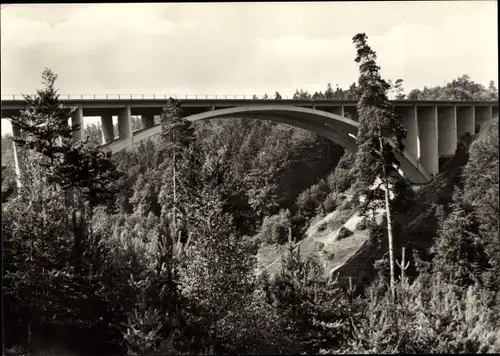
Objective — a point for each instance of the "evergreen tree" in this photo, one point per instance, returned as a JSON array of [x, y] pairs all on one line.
[[329, 92], [379, 136], [311, 309], [177, 136], [481, 191], [44, 123], [218, 270], [458, 252]]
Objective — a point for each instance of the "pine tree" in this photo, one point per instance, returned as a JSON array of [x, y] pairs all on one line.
[[310, 307], [329, 92], [380, 134], [459, 253], [177, 136], [219, 267], [81, 166], [44, 123]]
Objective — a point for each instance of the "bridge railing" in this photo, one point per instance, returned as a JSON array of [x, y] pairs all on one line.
[[146, 96]]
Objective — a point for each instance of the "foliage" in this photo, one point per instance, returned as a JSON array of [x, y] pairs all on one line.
[[312, 310], [427, 320], [274, 229], [45, 121], [481, 184], [344, 232], [218, 269], [380, 136], [307, 201], [461, 88]]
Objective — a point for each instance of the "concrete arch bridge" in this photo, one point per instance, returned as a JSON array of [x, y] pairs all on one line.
[[433, 126]]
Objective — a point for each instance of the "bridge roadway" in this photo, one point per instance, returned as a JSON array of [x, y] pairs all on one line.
[[433, 126]]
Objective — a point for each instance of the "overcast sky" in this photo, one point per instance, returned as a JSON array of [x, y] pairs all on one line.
[[242, 48]]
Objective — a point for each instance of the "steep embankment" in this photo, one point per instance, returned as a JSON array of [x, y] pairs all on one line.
[[354, 256], [324, 239], [417, 226]]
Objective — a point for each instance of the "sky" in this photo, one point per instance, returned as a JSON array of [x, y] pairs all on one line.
[[241, 48]]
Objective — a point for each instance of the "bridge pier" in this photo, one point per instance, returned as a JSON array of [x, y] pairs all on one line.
[[108, 134], [125, 124], [465, 120], [147, 121], [410, 123], [338, 110], [447, 126], [428, 135], [482, 114], [77, 119]]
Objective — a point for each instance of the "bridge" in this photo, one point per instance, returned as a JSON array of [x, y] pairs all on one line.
[[433, 126]]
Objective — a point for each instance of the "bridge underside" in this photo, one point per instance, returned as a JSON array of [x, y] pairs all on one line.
[[338, 129]]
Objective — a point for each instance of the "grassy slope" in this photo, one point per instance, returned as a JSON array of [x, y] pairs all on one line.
[[418, 225], [321, 239], [353, 256]]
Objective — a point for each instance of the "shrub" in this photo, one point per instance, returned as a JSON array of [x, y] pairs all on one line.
[[362, 225], [310, 200], [343, 233], [343, 179], [331, 203], [274, 228], [322, 227], [431, 315]]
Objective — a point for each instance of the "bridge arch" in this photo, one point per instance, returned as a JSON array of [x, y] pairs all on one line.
[[336, 128]]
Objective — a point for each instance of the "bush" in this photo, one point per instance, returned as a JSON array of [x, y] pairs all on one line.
[[343, 233], [362, 225], [331, 203], [309, 202], [343, 179], [322, 227], [274, 228], [430, 316]]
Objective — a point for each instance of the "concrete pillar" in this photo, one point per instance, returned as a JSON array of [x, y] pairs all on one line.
[[77, 119], [337, 110], [428, 133], [351, 112], [125, 124], [494, 110], [465, 120], [107, 128], [410, 123], [147, 121], [447, 130], [482, 114]]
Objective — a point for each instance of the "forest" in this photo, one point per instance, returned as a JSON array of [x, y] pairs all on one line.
[[239, 236]]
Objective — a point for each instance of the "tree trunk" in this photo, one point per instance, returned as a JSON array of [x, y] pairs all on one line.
[[174, 212], [390, 238], [389, 221]]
